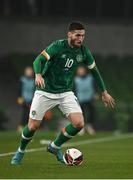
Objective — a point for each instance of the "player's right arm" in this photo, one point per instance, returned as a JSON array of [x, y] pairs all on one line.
[[42, 58], [37, 64]]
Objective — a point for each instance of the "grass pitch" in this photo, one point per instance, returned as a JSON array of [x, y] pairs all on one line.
[[105, 157]]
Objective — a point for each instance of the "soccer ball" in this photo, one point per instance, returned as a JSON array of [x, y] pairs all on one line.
[[73, 157]]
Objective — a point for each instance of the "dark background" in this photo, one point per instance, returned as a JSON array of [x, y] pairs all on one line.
[[96, 9], [28, 26]]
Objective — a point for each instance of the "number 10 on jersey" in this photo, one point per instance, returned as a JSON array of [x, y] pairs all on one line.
[[69, 63]]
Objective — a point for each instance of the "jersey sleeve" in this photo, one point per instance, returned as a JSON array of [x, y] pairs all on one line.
[[89, 60], [99, 80], [37, 64], [44, 56], [51, 50]]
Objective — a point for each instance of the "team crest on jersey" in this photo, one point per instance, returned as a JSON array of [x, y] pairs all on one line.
[[63, 56], [79, 58]]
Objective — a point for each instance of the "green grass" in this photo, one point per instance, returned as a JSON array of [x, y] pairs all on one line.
[[112, 159]]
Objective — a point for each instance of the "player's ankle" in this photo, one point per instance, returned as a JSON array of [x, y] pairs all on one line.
[[20, 150], [55, 146]]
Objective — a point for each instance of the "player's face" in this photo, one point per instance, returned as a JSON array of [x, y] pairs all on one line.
[[76, 37]]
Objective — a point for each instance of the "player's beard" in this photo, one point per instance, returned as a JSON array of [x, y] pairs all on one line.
[[73, 44]]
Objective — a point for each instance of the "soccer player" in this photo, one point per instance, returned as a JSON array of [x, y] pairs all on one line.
[[54, 70]]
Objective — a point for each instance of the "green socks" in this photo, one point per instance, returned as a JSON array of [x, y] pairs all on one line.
[[66, 134], [26, 137]]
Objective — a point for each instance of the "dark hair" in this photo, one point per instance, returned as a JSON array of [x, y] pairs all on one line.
[[75, 26]]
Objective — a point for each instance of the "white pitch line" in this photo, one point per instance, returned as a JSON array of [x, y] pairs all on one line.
[[99, 140], [93, 141]]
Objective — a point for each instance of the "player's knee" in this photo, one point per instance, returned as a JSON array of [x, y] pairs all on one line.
[[79, 124], [33, 125]]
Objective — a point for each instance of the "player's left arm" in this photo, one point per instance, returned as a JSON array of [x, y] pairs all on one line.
[[106, 97]]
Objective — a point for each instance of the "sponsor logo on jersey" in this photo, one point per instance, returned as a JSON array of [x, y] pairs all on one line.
[[79, 58], [63, 56]]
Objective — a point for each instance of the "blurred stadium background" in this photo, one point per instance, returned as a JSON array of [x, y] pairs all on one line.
[[27, 26]]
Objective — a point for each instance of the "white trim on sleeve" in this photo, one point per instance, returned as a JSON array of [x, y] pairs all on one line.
[[92, 65]]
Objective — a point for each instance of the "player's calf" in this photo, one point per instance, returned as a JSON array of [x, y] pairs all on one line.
[[27, 135]]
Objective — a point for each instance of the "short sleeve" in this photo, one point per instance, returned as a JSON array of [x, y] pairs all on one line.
[[89, 60]]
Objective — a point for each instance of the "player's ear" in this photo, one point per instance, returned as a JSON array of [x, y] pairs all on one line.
[[69, 34]]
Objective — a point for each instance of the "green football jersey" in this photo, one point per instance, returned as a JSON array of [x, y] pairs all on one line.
[[61, 64]]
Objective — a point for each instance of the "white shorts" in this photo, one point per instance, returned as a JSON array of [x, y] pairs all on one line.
[[43, 101]]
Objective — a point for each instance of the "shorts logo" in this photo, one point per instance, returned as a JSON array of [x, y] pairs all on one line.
[[33, 113], [77, 101]]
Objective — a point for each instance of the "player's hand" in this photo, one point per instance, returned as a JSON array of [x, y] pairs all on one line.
[[39, 81], [108, 100]]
